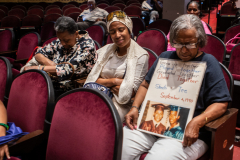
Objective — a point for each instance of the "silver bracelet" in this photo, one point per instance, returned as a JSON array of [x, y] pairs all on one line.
[[39, 66], [134, 107]]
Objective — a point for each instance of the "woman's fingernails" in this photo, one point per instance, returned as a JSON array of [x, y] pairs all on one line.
[[135, 126]]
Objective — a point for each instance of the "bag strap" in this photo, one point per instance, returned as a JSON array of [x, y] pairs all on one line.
[[237, 35], [234, 38], [70, 66]]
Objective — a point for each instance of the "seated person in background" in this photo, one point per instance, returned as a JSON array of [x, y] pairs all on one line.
[[152, 8], [72, 47], [234, 8], [92, 15], [122, 65], [192, 8], [3, 120], [187, 35], [174, 130], [155, 125]]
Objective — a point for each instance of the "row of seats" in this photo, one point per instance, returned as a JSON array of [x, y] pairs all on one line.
[[66, 122], [34, 109], [153, 39]]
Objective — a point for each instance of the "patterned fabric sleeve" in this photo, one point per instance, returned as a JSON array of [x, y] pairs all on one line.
[[82, 60], [48, 50]]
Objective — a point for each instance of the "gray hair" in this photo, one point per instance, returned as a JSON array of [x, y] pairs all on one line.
[[65, 24], [188, 21]]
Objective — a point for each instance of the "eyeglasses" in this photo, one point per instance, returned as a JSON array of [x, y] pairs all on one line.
[[118, 14], [188, 46]]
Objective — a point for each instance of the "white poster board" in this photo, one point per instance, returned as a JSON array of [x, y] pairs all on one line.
[[171, 98]]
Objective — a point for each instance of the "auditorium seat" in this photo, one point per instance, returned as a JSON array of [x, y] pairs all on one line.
[[234, 68], [2, 14], [10, 22], [96, 32], [152, 57], [17, 12], [58, 3], [25, 47], [136, 4], [231, 32], [27, 109], [30, 23], [102, 1], [76, 4], [45, 43], [30, 106], [67, 6], [225, 16], [20, 7], [161, 24], [215, 47], [133, 11], [83, 7], [131, 1], [111, 9], [117, 1], [4, 8], [72, 10], [138, 25], [5, 79], [109, 40], [97, 45], [15, 72], [76, 110], [51, 18], [36, 11], [120, 5], [153, 39], [51, 6], [74, 15], [7, 39], [53, 11], [43, 4], [47, 31], [36, 6], [102, 5]]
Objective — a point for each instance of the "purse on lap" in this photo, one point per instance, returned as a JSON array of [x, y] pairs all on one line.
[[99, 87], [232, 42]]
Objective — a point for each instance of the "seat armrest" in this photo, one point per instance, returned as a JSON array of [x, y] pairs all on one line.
[[27, 143], [23, 61], [215, 124], [8, 53]]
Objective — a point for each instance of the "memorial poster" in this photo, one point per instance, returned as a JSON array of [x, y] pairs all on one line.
[[171, 98]]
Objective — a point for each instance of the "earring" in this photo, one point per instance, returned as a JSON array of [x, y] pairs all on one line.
[[76, 39]]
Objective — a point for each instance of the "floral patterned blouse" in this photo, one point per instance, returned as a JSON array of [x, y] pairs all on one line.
[[81, 56]]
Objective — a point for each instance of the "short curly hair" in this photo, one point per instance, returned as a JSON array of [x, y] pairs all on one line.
[[65, 24]]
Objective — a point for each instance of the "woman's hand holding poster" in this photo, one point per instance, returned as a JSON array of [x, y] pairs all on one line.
[[171, 98]]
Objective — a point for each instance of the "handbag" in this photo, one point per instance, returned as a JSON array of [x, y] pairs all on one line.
[[99, 87], [232, 42]]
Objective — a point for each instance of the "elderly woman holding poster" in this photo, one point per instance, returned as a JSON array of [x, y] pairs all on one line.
[[187, 35]]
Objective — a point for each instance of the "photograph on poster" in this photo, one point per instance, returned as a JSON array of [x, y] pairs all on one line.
[[166, 120]]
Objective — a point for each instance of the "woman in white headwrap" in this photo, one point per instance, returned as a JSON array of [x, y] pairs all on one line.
[[122, 65]]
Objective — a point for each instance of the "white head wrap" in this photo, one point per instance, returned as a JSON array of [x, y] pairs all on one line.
[[127, 21], [92, 1]]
